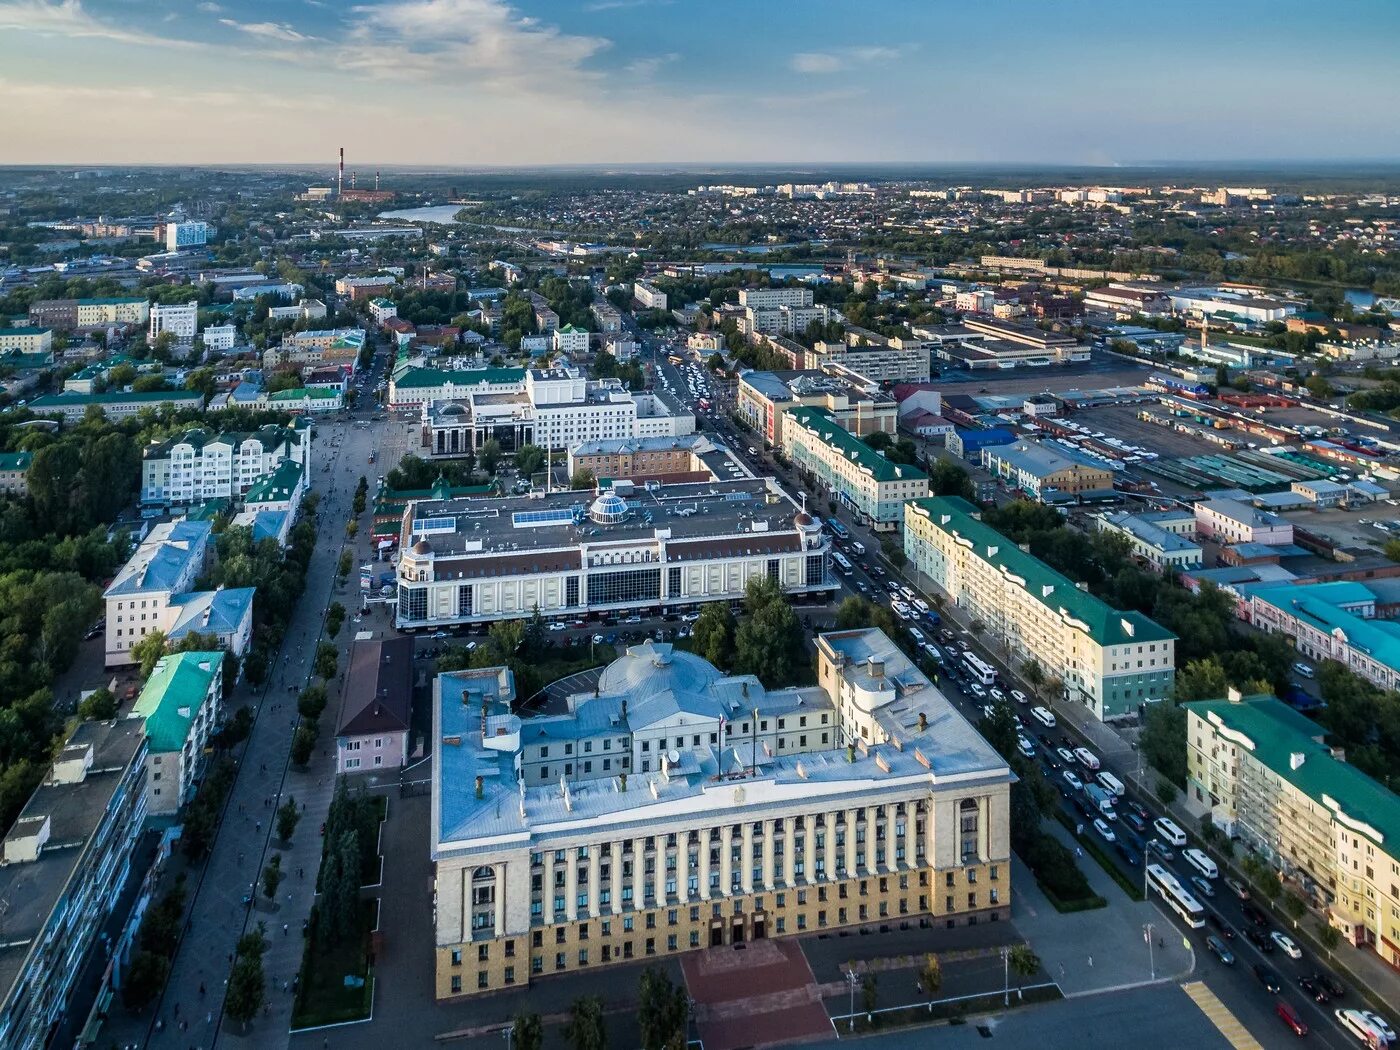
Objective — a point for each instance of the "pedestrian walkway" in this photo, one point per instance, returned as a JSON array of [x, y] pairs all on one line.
[[1220, 1016]]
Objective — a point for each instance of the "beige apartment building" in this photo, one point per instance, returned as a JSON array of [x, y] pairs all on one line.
[[676, 808]]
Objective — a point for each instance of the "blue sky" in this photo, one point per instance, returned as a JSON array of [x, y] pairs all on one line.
[[616, 81]]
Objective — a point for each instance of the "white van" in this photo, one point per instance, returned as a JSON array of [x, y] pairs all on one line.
[[1111, 784], [1086, 758], [1201, 862], [1043, 716], [1170, 833], [1303, 669], [1361, 1027]]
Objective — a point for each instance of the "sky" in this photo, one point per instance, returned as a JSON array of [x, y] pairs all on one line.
[[531, 82]]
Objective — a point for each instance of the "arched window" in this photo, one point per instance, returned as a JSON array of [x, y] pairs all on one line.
[[968, 815]]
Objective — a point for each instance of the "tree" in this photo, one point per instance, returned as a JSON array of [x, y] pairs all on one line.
[[930, 976], [1163, 740], [893, 552], [352, 529], [713, 634], [946, 478], [490, 455], [529, 460], [288, 816], [585, 1028], [1034, 675], [335, 619], [1166, 791], [662, 1009], [869, 993], [528, 1032], [1024, 963], [148, 651], [303, 743], [347, 562], [853, 612], [1295, 907], [144, 980], [98, 706], [583, 479], [1329, 937], [312, 701], [246, 989], [327, 660], [769, 641], [272, 877], [1055, 687]]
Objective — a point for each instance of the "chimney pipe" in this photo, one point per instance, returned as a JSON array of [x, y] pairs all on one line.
[[923, 721], [480, 787], [376, 180], [340, 175]]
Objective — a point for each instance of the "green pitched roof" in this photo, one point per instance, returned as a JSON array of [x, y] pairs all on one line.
[[415, 377], [818, 421], [1105, 624], [153, 396], [1273, 733], [277, 486], [315, 393], [172, 695]]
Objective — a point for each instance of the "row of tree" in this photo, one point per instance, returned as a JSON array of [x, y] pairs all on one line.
[[765, 641]]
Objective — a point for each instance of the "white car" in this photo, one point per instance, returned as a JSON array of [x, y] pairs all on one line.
[[1072, 780], [1066, 755], [1019, 696], [1380, 1023], [558, 627], [1105, 832], [1286, 944], [1025, 747], [998, 695]]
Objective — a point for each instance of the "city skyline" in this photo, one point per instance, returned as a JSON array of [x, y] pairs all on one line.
[[545, 82]]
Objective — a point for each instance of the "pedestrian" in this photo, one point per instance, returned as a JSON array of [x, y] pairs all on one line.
[[209, 1017], [284, 929], [1091, 962]]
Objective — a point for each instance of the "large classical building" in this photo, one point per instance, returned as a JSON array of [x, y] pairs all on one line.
[[763, 397], [1264, 774], [555, 408], [115, 404], [200, 465], [626, 549], [68, 314], [1109, 661], [1046, 474], [638, 458], [675, 808], [863, 480]]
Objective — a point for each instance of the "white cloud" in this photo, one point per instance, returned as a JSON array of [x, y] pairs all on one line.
[[614, 5], [209, 8], [647, 67], [68, 18], [826, 62], [267, 30]]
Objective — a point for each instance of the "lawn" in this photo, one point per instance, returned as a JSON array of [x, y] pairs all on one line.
[[322, 995]]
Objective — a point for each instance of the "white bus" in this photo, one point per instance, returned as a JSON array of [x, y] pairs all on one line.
[[1043, 716], [1111, 784], [843, 565], [1201, 862], [979, 669], [1177, 899], [1169, 831]]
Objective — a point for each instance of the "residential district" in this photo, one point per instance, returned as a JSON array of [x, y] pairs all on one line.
[[644, 614]]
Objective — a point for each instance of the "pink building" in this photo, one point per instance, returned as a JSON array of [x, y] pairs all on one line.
[[372, 732], [1228, 521]]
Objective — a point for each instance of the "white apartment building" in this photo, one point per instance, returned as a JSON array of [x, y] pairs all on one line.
[[179, 319], [772, 298], [894, 361], [650, 296], [311, 309], [1109, 661], [860, 478], [201, 465], [220, 337], [140, 599], [782, 320], [570, 340], [1164, 540], [182, 236], [179, 706], [975, 301], [383, 309], [674, 808]]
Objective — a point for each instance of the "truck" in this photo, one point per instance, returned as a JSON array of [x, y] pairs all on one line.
[[1099, 798]]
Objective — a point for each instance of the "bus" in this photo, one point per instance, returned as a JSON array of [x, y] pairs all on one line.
[[837, 529], [1178, 900], [843, 565], [1200, 862], [980, 670]]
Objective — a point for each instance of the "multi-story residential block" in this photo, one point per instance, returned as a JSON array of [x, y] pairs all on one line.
[[179, 707], [607, 317], [763, 397], [383, 309], [220, 337], [571, 340], [201, 465], [555, 408], [67, 865], [1163, 540], [649, 296], [1044, 474], [864, 481], [226, 613], [1266, 777], [68, 314], [372, 732], [888, 361], [627, 549], [14, 472], [1229, 521], [338, 346], [674, 808], [357, 288], [1330, 621], [139, 599], [772, 298], [184, 236], [26, 340], [782, 320], [1109, 661], [181, 320], [115, 404]]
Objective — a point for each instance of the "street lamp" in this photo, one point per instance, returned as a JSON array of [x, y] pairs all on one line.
[[851, 981], [1005, 975], [1151, 954], [506, 1033]]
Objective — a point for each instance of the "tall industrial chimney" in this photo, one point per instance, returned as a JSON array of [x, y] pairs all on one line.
[[376, 180], [340, 175]]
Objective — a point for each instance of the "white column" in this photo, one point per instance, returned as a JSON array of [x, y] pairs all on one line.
[[500, 918], [891, 864], [658, 877], [571, 884], [683, 868], [595, 866], [850, 843], [930, 847], [790, 850], [704, 864], [615, 878], [726, 866], [871, 853], [769, 876], [746, 858], [984, 827], [829, 830], [639, 877], [547, 897]]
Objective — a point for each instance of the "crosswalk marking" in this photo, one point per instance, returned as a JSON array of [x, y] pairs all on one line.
[[1220, 1016]]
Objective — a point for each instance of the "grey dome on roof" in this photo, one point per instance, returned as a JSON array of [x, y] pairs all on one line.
[[653, 667], [608, 509], [454, 410]]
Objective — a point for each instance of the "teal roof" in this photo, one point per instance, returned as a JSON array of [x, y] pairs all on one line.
[[1273, 733], [818, 421], [16, 460], [21, 359], [117, 300], [1103, 623], [1321, 606], [316, 393], [22, 330], [416, 377], [172, 695], [153, 396], [276, 487]]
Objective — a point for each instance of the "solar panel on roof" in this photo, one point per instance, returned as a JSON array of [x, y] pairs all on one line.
[[422, 526], [533, 518]]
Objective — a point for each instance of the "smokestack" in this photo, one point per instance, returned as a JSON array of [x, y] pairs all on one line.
[[376, 180], [340, 175], [352, 179]]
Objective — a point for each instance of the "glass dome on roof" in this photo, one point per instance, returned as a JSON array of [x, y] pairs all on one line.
[[608, 509]]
